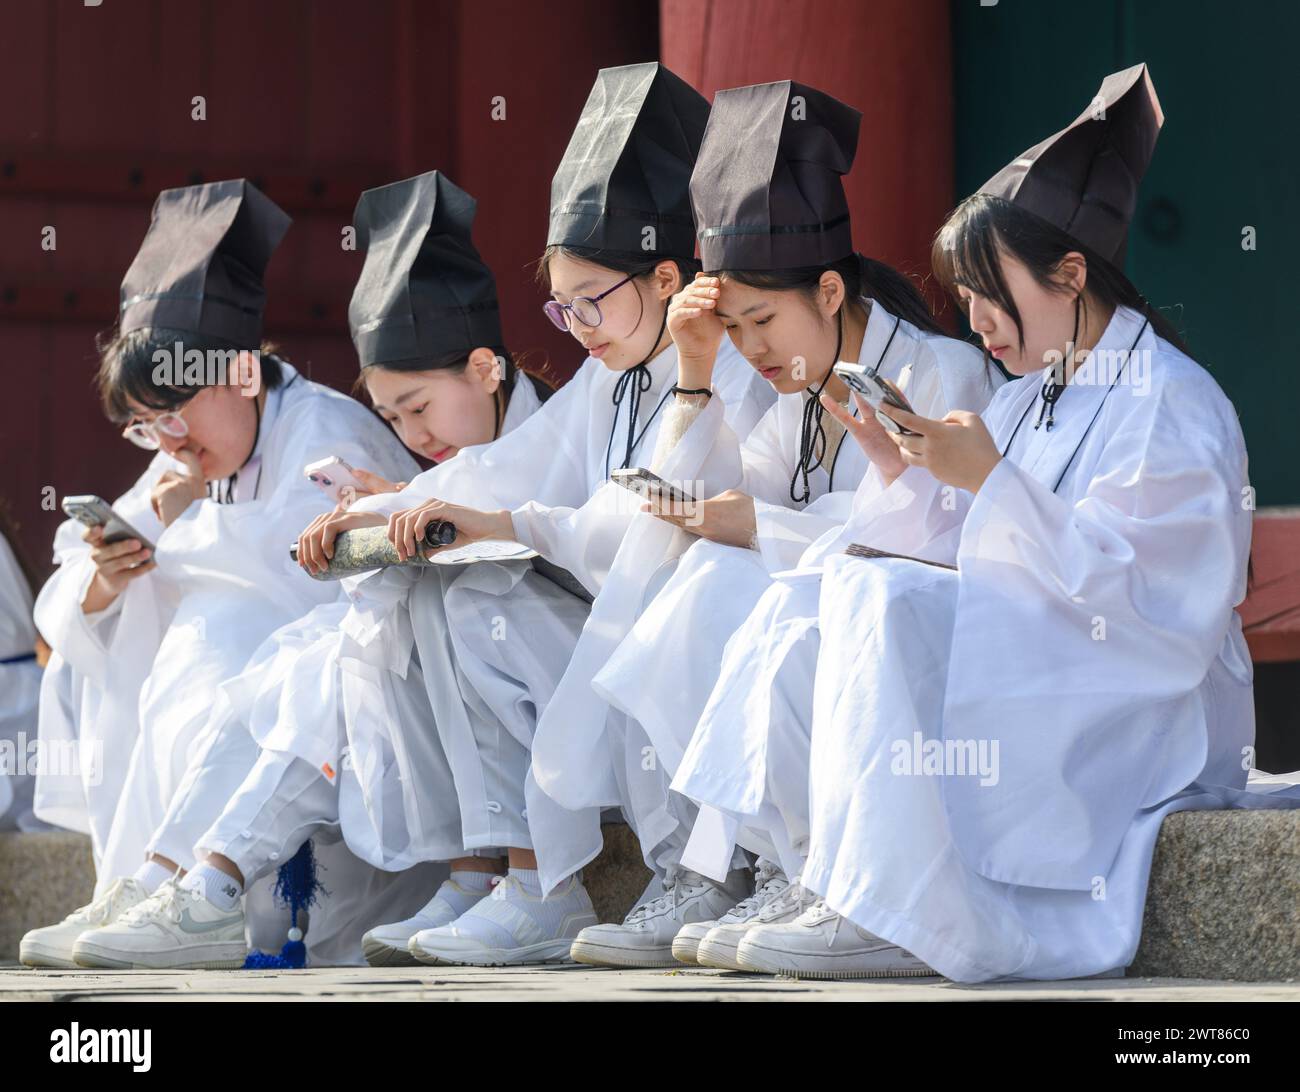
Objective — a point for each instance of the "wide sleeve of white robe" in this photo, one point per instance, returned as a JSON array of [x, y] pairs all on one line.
[[1087, 622]]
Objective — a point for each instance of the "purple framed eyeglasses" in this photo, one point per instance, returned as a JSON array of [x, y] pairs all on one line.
[[586, 309]]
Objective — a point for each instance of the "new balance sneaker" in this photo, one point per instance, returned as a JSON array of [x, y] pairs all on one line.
[[511, 927], [388, 945], [51, 946], [819, 943], [645, 939], [173, 927]]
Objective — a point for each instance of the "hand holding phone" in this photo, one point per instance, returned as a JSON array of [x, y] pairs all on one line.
[[118, 551], [877, 391], [649, 486]]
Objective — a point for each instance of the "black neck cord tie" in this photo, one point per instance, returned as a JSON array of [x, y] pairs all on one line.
[[1054, 385], [812, 431], [1146, 321], [639, 380]]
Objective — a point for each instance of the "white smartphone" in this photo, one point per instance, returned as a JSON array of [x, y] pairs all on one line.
[[877, 391], [335, 479], [96, 512], [649, 486]]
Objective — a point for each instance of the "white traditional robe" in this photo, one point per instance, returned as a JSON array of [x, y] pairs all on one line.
[[20, 687], [135, 684], [593, 748], [993, 750], [663, 672], [289, 697], [492, 639]]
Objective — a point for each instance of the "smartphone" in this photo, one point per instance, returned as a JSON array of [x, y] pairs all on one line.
[[649, 486], [335, 479], [96, 512], [877, 391]]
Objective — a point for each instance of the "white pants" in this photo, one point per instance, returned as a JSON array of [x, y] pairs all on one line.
[[511, 635], [747, 763], [258, 807]]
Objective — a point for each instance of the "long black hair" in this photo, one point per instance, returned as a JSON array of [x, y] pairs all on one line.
[[129, 368], [862, 276], [967, 253]]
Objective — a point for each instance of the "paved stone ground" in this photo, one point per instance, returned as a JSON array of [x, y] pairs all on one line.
[[578, 983]]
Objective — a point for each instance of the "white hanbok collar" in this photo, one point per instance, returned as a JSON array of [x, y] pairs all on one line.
[[245, 484], [1047, 454]]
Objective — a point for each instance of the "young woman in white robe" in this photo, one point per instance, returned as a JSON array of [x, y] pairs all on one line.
[[988, 751], [144, 638], [684, 629]]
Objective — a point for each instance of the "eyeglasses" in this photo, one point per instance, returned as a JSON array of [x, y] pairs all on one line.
[[148, 434], [586, 309]]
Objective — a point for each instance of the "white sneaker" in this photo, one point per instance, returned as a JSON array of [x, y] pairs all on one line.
[[174, 927], [387, 945], [645, 939], [769, 880], [779, 901], [510, 928], [819, 943], [51, 946]]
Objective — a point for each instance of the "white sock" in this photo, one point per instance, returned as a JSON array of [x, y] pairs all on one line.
[[151, 875], [528, 880], [473, 881], [211, 883]]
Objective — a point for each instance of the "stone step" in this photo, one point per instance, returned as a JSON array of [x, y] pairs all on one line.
[[1223, 902], [44, 876]]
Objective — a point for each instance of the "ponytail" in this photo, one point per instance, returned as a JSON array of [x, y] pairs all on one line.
[[896, 293]]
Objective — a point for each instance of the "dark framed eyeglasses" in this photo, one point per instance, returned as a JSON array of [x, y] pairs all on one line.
[[586, 309]]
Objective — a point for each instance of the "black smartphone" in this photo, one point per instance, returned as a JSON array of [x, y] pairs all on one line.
[[96, 512]]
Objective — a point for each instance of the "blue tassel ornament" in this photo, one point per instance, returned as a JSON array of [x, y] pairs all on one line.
[[296, 887]]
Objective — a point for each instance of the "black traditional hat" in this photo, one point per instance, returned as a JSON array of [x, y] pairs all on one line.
[[200, 268], [423, 292], [766, 190], [1084, 179], [628, 166]]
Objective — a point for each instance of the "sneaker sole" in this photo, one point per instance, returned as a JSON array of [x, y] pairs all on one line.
[[603, 955], [210, 957], [686, 949], [37, 955], [550, 951], [766, 961], [379, 954], [719, 957]]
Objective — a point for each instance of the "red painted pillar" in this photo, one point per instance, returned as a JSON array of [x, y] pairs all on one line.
[[891, 59]]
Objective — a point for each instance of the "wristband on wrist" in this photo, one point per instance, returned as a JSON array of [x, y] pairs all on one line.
[[684, 390]]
